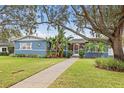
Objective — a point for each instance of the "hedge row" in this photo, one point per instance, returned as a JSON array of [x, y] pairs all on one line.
[[110, 64], [26, 55]]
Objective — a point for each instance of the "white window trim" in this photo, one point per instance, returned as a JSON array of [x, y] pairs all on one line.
[[5, 48], [20, 48]]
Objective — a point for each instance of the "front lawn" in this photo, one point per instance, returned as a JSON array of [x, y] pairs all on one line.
[[83, 74], [13, 70]]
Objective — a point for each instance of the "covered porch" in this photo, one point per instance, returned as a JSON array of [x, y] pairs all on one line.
[[76, 45], [92, 49]]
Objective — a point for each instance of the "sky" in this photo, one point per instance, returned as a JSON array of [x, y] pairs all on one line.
[[43, 32]]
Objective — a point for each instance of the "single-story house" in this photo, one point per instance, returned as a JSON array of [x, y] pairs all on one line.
[[39, 46], [4, 46], [30, 45]]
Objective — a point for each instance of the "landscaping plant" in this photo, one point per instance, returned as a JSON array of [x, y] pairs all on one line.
[[58, 44], [110, 64], [81, 53]]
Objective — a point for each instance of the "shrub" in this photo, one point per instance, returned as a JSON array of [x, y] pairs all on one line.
[[20, 55], [4, 54], [81, 53], [12, 55], [51, 54], [26, 55], [11, 49], [65, 53], [110, 64], [68, 54]]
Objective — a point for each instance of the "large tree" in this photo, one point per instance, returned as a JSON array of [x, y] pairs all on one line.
[[15, 20], [105, 21]]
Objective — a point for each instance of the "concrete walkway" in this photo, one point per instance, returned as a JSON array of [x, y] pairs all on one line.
[[44, 78]]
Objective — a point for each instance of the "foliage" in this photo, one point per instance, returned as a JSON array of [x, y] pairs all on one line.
[[9, 34], [100, 20], [4, 54], [102, 47], [81, 53], [11, 49], [96, 47], [16, 20], [12, 55], [26, 55], [68, 53], [105, 23], [90, 47], [58, 43], [110, 64], [51, 54]]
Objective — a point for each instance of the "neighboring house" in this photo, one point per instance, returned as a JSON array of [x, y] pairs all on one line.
[[30, 45], [4, 46]]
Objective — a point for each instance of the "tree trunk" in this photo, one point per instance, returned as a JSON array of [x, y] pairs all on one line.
[[117, 49], [116, 43]]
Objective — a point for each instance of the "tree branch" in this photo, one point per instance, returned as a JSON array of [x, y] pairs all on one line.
[[46, 13], [2, 9], [96, 28], [83, 36], [76, 12]]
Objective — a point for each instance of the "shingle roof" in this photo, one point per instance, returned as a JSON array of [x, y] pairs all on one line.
[[30, 36], [78, 41], [4, 43]]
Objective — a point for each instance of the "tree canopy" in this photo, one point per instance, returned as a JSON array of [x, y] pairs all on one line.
[[17, 19], [106, 23]]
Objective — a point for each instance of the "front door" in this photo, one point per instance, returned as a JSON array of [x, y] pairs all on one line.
[[76, 49]]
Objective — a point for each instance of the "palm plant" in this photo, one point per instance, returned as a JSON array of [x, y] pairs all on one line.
[[52, 45], [59, 42], [90, 47], [99, 47], [62, 41]]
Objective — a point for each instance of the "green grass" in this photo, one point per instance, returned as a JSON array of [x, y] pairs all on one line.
[[13, 70], [83, 74]]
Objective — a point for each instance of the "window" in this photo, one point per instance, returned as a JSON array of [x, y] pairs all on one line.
[[26, 46], [3, 49]]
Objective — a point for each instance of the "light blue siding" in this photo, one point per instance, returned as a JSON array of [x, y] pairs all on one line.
[[38, 47], [94, 55]]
